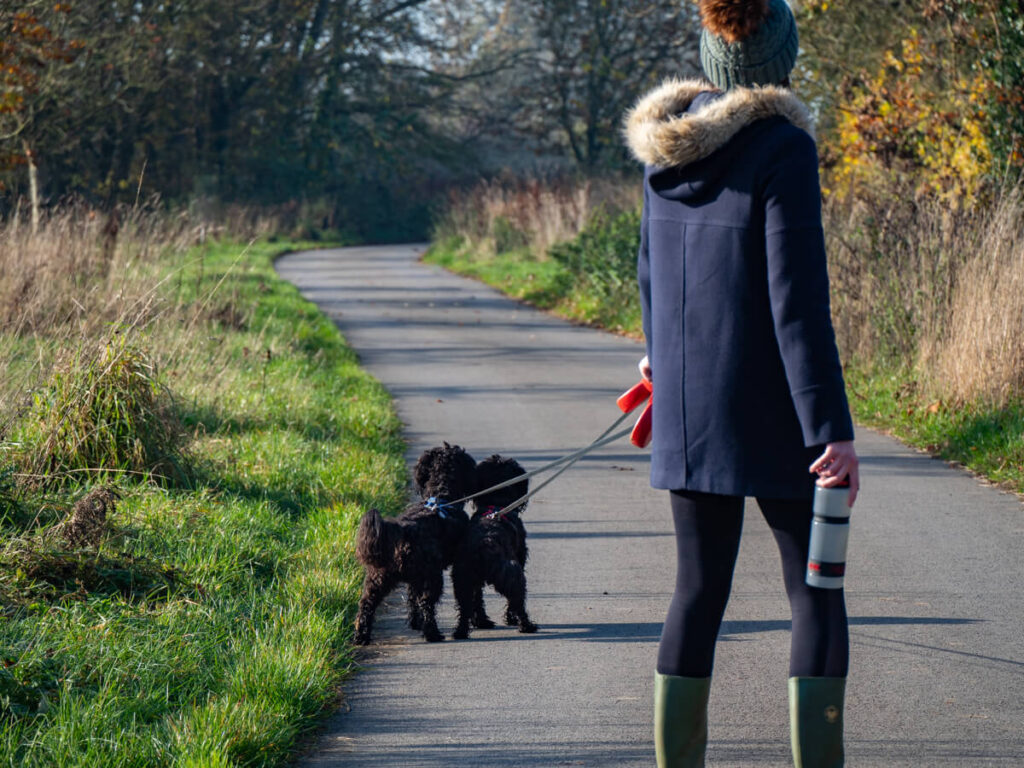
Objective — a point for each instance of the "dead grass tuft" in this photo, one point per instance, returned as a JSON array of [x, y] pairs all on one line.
[[87, 524], [501, 215]]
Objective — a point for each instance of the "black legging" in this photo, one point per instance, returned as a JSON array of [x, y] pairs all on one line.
[[708, 538]]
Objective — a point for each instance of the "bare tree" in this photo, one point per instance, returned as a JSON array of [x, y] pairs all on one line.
[[589, 61]]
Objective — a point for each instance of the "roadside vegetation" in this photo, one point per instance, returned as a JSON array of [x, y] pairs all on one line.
[[186, 447], [923, 212], [564, 245]]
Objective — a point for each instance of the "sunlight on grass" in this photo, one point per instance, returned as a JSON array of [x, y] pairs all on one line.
[[228, 660]]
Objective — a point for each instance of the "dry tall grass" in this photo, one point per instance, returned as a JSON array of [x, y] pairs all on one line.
[[508, 213], [86, 279], [982, 354], [934, 289], [84, 268]]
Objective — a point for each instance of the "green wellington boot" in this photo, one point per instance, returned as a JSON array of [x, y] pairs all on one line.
[[816, 721], [680, 720]]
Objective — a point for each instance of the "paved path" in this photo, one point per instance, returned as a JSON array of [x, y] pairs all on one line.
[[935, 589]]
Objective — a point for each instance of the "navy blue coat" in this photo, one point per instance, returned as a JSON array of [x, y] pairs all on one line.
[[747, 381]]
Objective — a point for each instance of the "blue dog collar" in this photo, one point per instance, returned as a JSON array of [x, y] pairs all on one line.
[[435, 504]]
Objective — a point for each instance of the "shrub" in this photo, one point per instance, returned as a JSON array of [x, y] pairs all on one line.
[[103, 409], [603, 256]]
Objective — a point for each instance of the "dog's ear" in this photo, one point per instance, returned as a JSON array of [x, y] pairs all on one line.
[[468, 465], [421, 472]]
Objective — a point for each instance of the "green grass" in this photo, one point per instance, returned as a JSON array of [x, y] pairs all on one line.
[[518, 273], [987, 439], [559, 284], [218, 623]]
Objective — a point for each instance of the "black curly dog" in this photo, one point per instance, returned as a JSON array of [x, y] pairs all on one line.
[[419, 544], [493, 551]]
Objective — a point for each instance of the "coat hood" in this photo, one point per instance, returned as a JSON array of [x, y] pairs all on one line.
[[661, 132]]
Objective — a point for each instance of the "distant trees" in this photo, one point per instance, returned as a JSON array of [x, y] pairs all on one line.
[[366, 103], [563, 72], [589, 61], [32, 47], [238, 99]]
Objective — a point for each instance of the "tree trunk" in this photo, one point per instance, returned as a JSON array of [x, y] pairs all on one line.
[[33, 185]]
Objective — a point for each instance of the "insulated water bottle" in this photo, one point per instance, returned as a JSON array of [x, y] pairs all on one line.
[[830, 531]]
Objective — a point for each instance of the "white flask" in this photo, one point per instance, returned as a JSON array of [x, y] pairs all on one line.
[[830, 532]]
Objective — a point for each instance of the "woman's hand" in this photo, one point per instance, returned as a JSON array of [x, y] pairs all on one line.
[[645, 369], [838, 461]]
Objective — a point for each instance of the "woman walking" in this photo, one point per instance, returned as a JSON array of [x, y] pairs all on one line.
[[749, 397]]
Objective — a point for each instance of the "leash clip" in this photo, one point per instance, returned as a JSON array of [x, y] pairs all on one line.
[[493, 511]]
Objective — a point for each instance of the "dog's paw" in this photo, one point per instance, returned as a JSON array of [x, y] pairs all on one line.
[[460, 634], [434, 637], [510, 619], [527, 627], [482, 622], [361, 640]]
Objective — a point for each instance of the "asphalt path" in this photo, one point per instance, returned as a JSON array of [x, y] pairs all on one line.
[[934, 587]]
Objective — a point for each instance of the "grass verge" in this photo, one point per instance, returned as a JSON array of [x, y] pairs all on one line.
[[517, 273], [987, 439], [211, 623], [589, 280]]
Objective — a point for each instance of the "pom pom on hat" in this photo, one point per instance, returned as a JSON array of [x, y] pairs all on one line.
[[747, 42], [733, 20]]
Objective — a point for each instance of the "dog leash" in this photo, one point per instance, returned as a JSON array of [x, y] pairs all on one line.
[[572, 457], [640, 435]]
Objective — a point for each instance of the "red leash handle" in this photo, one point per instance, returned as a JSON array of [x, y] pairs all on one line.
[[628, 401]]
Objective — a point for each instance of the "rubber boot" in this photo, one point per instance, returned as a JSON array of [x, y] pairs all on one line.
[[680, 720], [816, 721]]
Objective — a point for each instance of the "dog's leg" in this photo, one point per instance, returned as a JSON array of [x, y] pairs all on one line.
[[462, 584], [375, 588], [480, 618], [510, 581], [511, 619], [415, 615], [429, 595]]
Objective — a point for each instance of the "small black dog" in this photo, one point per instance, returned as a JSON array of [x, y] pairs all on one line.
[[419, 544], [493, 551]]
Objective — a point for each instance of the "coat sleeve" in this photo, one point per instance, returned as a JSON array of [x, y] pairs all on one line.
[[799, 292], [643, 274]]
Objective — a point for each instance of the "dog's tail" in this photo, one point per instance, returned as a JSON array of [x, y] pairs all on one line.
[[374, 540]]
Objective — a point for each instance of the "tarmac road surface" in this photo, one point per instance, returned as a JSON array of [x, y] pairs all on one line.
[[934, 586]]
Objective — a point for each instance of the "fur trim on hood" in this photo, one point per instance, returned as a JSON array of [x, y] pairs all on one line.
[[658, 135]]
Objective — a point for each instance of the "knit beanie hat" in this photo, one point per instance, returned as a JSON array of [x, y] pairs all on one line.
[[747, 42]]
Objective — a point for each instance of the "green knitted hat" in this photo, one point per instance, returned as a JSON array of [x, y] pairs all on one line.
[[763, 58]]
